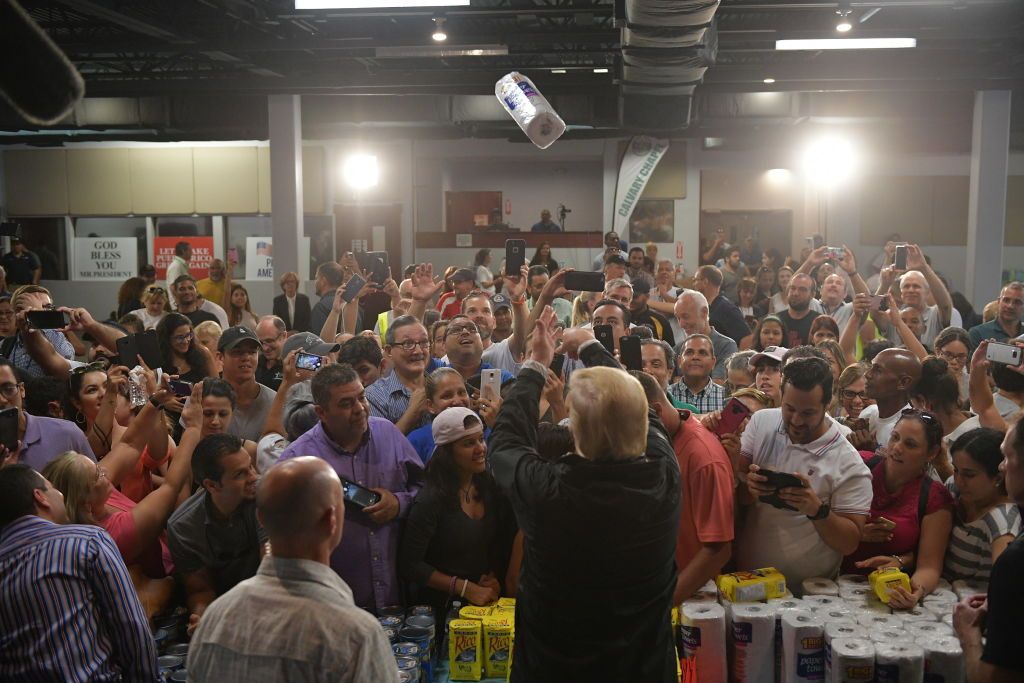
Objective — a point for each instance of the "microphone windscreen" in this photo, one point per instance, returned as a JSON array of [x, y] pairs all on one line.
[[38, 80]]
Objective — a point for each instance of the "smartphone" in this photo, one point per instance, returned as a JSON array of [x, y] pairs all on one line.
[[180, 389], [879, 302], [603, 333], [145, 344], [9, 428], [630, 354], [48, 320], [734, 412], [781, 480], [490, 383], [352, 287], [1004, 354], [558, 363], [379, 269], [887, 523], [308, 361], [515, 257], [835, 253], [360, 496], [900, 257], [233, 255], [584, 281]]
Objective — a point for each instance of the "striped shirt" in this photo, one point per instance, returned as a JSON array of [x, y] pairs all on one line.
[[68, 609], [20, 357], [707, 400], [969, 554], [389, 398]]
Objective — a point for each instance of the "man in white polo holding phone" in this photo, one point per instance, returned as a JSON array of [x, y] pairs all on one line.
[[823, 517]]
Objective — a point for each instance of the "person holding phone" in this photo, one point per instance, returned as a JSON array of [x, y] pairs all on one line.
[[39, 352], [458, 537], [399, 396], [916, 285], [696, 364]]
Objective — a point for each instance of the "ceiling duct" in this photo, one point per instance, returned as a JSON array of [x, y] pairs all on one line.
[[667, 45]]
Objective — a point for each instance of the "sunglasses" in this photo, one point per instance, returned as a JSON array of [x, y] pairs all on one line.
[[156, 290], [95, 366], [923, 416]]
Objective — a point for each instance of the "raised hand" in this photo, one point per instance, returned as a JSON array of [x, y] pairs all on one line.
[[424, 286], [544, 337]]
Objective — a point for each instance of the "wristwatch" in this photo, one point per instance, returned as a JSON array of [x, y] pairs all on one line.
[[822, 513]]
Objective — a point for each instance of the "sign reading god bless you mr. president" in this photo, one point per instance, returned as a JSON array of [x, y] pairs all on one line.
[[106, 258], [638, 163]]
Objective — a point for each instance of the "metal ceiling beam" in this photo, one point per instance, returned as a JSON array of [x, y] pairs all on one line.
[[99, 10], [753, 5]]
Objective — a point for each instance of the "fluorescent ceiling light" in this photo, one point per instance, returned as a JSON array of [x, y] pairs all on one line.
[[769, 81], [600, 71], [441, 51], [558, 71], [846, 44], [376, 4]]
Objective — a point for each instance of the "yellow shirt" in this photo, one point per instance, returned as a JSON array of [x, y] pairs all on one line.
[[212, 291]]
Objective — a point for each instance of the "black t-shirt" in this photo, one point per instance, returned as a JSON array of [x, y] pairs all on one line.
[[658, 323], [798, 331], [20, 268], [727, 319], [1004, 635], [269, 377], [200, 316]]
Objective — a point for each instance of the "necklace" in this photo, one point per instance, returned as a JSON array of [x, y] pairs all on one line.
[[466, 492]]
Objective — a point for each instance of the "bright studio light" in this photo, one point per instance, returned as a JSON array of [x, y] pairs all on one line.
[[361, 171], [844, 25], [830, 161], [769, 81], [439, 34], [778, 175]]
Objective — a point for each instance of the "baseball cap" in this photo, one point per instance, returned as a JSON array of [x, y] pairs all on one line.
[[463, 275], [500, 301], [774, 353], [450, 425], [308, 342], [233, 336]]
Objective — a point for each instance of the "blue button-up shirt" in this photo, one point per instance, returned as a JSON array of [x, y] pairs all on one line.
[[68, 609], [20, 357], [367, 557], [389, 398]]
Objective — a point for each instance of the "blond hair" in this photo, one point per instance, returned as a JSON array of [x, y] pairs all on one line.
[[608, 414], [580, 314], [68, 475], [208, 328]]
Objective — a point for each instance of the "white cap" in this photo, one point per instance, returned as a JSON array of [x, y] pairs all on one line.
[[773, 352], [450, 425]]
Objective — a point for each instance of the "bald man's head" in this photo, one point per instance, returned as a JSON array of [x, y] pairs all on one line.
[[892, 373], [294, 498]]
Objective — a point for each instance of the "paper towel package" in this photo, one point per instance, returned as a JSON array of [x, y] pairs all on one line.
[[752, 643], [901, 662], [834, 613], [822, 601], [965, 589], [835, 630], [855, 591], [943, 659], [703, 634], [927, 629], [888, 634], [786, 603], [940, 595], [803, 647], [916, 613], [853, 661], [781, 605], [948, 619], [944, 585], [871, 620], [820, 586], [531, 110]]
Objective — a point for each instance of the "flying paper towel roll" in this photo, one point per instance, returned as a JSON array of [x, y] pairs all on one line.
[[836, 630], [853, 661], [965, 589], [820, 586], [901, 662], [822, 601], [703, 629], [916, 613], [752, 643], [871, 620], [927, 629], [530, 109], [803, 646], [943, 659]]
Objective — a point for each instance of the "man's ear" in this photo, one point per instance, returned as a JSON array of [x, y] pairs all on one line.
[[40, 499]]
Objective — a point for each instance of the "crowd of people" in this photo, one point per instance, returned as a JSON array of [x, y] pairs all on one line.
[[474, 434]]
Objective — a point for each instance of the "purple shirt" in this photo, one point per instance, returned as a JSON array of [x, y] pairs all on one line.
[[367, 557], [61, 436]]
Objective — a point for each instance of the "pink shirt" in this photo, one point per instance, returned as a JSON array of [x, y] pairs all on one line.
[[155, 559]]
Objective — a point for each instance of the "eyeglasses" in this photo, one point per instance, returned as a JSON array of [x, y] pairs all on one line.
[[268, 342], [9, 390], [182, 338], [851, 395], [409, 345], [953, 357], [460, 329]]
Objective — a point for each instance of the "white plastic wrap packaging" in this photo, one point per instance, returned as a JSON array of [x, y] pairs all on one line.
[[708, 590], [855, 592], [781, 605], [822, 601], [916, 613], [834, 613], [820, 586], [889, 634], [531, 110], [965, 589], [752, 644], [851, 580], [835, 630], [943, 585], [803, 647], [927, 629], [899, 663], [853, 661], [870, 620], [703, 629], [943, 659], [948, 619], [940, 595], [786, 603]]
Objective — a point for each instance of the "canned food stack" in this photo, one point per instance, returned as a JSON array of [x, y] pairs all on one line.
[[170, 631], [412, 637]]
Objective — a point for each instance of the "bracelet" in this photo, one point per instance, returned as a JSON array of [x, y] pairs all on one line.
[[899, 561], [451, 585], [465, 583]]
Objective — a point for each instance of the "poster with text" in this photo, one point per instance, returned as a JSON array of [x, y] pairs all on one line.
[[259, 257], [202, 255], [105, 258]]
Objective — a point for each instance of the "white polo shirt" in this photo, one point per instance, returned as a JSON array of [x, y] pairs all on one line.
[[785, 539]]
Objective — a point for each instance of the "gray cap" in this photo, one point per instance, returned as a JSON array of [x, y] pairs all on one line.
[[308, 342]]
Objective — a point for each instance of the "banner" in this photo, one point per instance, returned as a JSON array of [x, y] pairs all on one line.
[[202, 255], [259, 257], [638, 163], [105, 258]]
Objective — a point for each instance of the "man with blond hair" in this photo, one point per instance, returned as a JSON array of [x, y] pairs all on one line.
[[600, 524]]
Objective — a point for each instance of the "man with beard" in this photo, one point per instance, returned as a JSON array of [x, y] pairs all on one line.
[[399, 395], [731, 268], [799, 316], [189, 303]]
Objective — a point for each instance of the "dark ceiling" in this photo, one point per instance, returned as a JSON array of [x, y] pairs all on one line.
[[200, 69]]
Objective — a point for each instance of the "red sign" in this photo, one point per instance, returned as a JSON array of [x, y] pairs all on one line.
[[508, 207], [202, 255], [679, 250]]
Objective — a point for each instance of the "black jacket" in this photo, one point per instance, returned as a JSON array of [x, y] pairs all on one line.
[[598, 573], [302, 312]]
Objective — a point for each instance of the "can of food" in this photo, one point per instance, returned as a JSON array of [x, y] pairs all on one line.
[[390, 622], [408, 676], [421, 610], [161, 636], [407, 649], [179, 676], [391, 611], [411, 664], [168, 664], [177, 649], [422, 621], [392, 634]]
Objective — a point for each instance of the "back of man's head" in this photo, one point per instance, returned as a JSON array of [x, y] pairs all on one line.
[[1006, 379], [359, 349], [18, 484], [293, 503], [711, 274], [332, 274], [608, 414], [652, 390], [208, 457]]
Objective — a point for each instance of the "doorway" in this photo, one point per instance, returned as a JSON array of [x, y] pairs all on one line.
[[358, 222]]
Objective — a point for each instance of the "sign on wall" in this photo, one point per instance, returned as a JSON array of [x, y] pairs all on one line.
[[259, 257], [638, 163], [105, 258], [202, 255]]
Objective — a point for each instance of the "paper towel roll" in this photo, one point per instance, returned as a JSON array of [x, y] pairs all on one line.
[[944, 585], [781, 605], [874, 606], [852, 580], [853, 661], [943, 659], [861, 591], [531, 110], [786, 603], [703, 629], [752, 643], [821, 601], [939, 609], [916, 613], [964, 589], [803, 646], [927, 629], [871, 620], [834, 613], [836, 630], [940, 595], [889, 634], [820, 586], [948, 619], [899, 662]]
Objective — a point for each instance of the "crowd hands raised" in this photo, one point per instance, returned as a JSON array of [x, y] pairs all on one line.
[[472, 435]]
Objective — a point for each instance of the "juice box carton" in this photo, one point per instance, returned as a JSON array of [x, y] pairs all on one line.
[[498, 637], [757, 585], [884, 580], [465, 650]]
